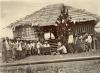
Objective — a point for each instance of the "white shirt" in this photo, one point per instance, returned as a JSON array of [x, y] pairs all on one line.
[[28, 46], [20, 47], [59, 43], [63, 48], [89, 39], [39, 45], [70, 39], [33, 45], [7, 45], [46, 45]]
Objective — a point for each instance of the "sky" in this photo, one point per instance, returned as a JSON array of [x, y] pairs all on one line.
[[12, 10]]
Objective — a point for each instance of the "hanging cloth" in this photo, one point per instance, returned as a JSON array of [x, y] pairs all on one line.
[[49, 35]]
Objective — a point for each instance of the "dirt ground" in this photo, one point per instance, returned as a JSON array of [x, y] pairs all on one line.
[[53, 57], [91, 66]]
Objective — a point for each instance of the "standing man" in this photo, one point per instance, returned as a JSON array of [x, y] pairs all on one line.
[[14, 50], [28, 49], [23, 49], [8, 49], [32, 48], [89, 42], [70, 43], [20, 50], [4, 51], [38, 46]]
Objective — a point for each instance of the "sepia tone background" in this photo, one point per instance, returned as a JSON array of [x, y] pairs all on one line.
[[12, 10]]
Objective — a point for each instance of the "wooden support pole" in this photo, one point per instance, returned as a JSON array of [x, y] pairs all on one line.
[[94, 40]]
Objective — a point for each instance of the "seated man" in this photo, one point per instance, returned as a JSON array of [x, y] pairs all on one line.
[[46, 44], [61, 48], [46, 48]]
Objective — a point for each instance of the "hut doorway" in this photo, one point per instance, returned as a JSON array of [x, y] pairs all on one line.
[[49, 32]]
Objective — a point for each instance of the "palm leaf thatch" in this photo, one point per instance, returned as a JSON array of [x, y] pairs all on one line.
[[49, 14]]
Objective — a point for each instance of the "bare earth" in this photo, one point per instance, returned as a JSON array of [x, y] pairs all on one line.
[[89, 66], [53, 57]]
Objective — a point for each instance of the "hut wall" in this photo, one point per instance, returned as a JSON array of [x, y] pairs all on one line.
[[26, 33], [81, 27], [87, 27], [98, 40], [18, 32]]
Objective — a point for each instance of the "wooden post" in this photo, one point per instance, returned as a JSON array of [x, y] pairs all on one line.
[[50, 33], [94, 40]]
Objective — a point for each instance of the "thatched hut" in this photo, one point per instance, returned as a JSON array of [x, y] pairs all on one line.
[[33, 26]]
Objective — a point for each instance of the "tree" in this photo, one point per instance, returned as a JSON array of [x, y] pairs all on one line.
[[64, 23]]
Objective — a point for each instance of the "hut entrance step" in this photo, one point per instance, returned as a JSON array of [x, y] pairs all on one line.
[[53, 44]]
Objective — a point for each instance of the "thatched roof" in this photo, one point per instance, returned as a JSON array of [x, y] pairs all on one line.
[[49, 14]]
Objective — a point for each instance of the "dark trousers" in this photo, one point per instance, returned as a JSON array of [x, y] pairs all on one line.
[[33, 51], [14, 54], [23, 53], [19, 54], [4, 56], [28, 52], [71, 48]]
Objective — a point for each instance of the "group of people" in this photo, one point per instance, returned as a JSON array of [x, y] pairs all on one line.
[[15, 50], [84, 42], [79, 43]]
